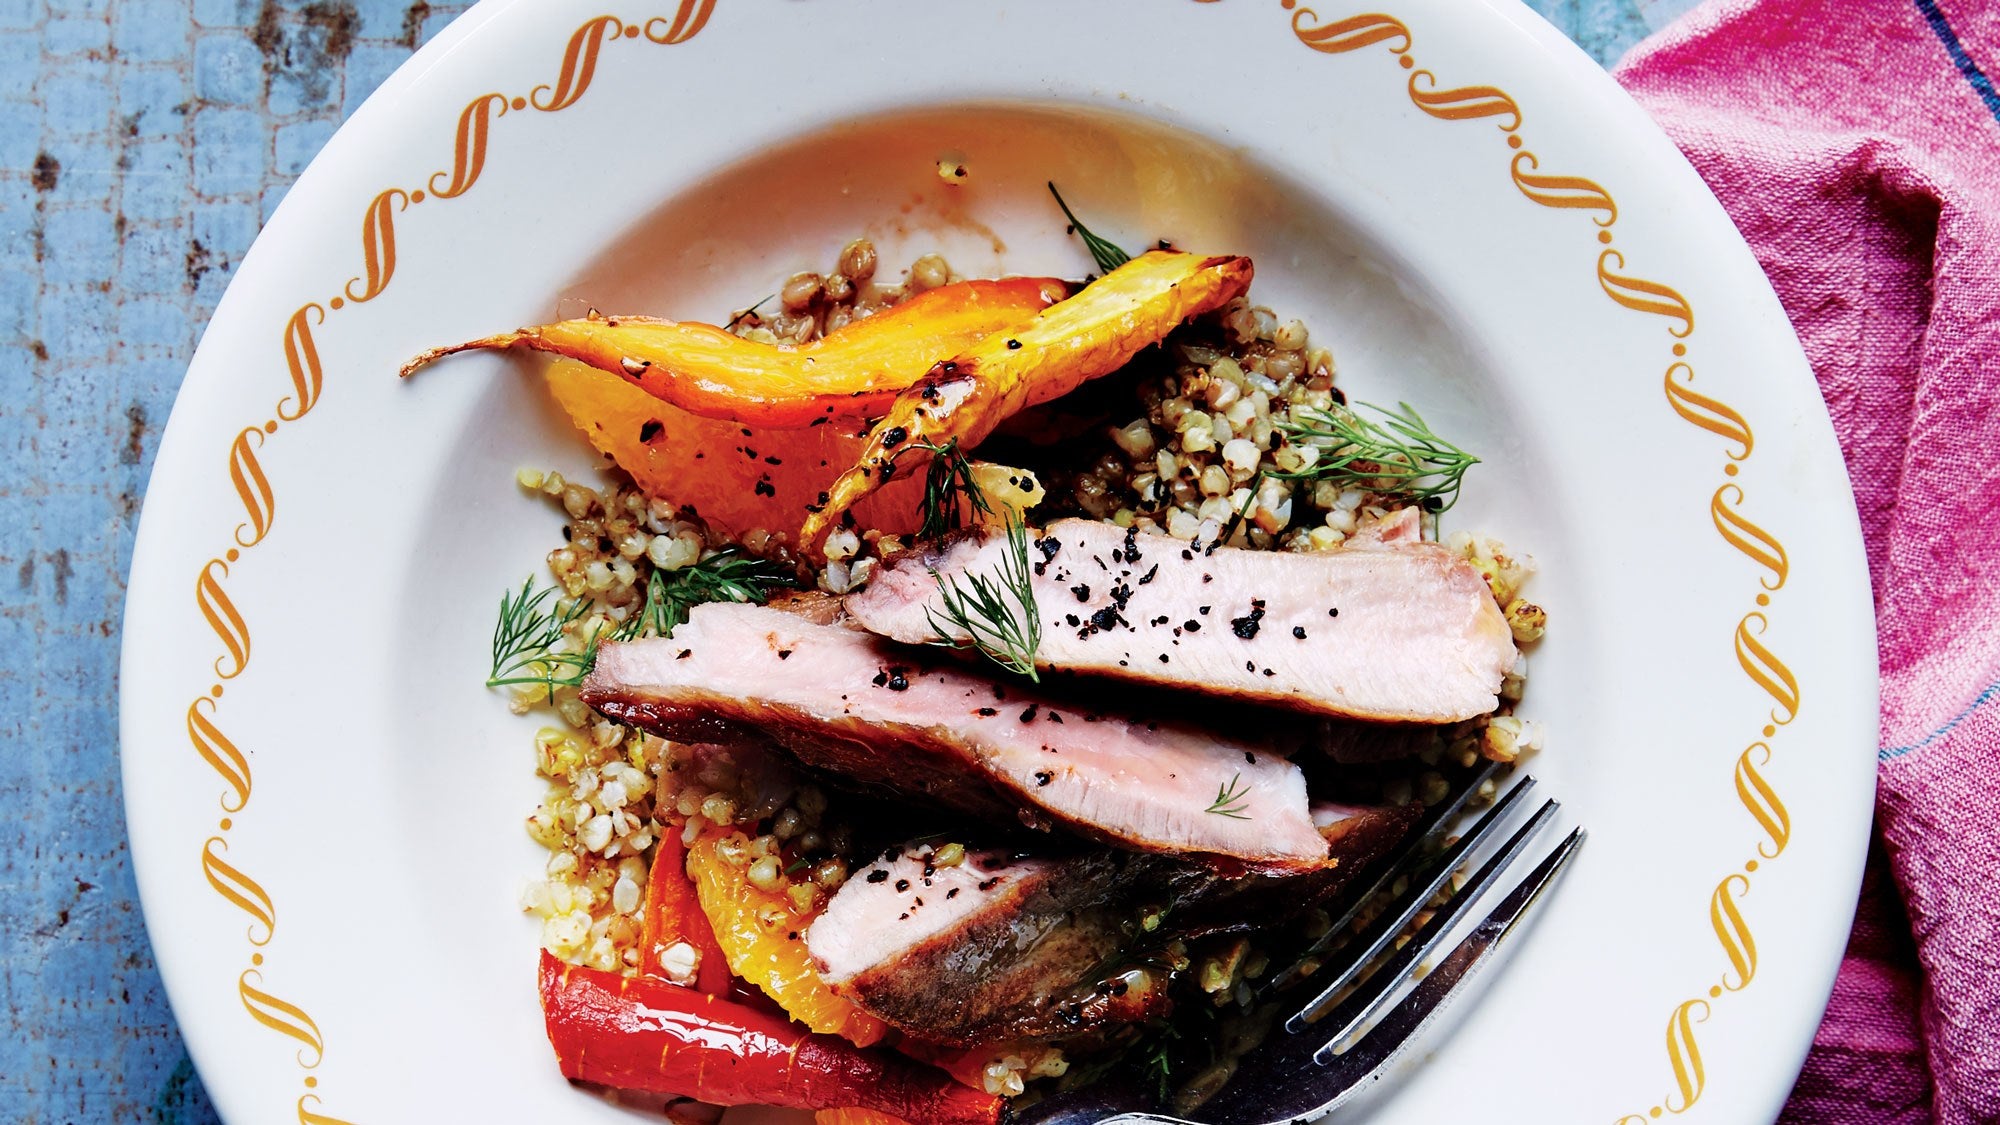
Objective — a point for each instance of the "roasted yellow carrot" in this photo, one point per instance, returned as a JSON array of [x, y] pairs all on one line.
[[851, 374], [1089, 335]]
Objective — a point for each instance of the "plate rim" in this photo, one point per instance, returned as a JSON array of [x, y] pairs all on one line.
[[1371, 34]]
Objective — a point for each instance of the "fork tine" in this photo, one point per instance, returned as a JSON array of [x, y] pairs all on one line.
[[1285, 1080], [1367, 1059], [1368, 999], [1379, 933], [1434, 822]]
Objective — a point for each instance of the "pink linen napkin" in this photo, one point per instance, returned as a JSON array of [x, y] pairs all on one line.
[[1857, 145]]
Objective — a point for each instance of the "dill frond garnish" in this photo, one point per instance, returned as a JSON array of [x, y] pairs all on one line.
[[726, 575], [1229, 800], [1149, 1059], [1156, 1061], [746, 313], [531, 622], [997, 612], [1108, 255], [948, 489], [1396, 456], [1228, 531]]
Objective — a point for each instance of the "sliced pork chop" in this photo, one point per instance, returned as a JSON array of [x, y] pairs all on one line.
[[1356, 835], [920, 723], [1358, 742], [1004, 946], [970, 954], [1389, 630]]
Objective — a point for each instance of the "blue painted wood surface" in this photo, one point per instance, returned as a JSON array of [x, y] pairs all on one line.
[[142, 144]]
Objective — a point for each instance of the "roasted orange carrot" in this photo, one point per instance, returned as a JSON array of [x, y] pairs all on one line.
[[761, 933], [1089, 335], [850, 374], [855, 1116], [727, 475]]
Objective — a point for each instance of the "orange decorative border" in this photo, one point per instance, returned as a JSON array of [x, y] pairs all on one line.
[[1475, 103], [575, 74], [260, 502]]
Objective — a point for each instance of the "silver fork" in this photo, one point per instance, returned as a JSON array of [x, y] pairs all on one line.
[[1328, 1052]]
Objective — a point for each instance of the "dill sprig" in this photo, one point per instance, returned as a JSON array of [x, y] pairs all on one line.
[[1396, 456], [727, 575], [997, 612], [1156, 1060], [1242, 513], [531, 622], [949, 488], [746, 313], [1229, 800], [1108, 255]]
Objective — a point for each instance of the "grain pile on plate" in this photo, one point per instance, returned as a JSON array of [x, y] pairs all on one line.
[[708, 799]]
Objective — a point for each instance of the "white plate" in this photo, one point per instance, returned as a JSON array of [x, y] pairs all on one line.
[[326, 806]]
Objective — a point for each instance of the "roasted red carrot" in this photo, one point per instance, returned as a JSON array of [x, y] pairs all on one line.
[[635, 1033]]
